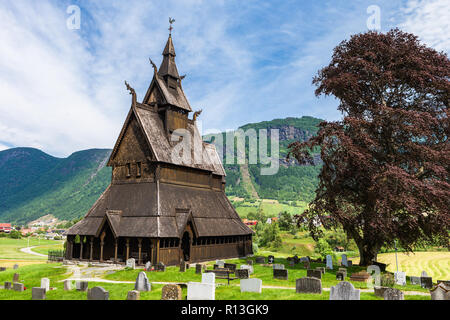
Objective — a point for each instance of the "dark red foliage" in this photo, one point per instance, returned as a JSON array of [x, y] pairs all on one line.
[[386, 164]]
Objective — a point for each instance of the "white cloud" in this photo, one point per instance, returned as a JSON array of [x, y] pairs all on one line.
[[430, 20]]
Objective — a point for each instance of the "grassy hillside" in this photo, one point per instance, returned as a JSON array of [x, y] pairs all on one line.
[[34, 184]]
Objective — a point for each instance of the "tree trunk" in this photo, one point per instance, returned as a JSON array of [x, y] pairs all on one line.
[[367, 254]]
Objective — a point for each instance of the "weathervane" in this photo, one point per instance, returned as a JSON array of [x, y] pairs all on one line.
[[170, 22]]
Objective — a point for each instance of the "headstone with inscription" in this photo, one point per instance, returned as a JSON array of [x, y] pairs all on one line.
[[67, 285], [142, 283], [314, 273], [414, 280], [246, 266], [133, 295], [260, 260], [131, 263], [271, 259], [45, 283], [16, 277], [81, 285], [393, 294], [281, 274], [440, 292], [38, 293], [17, 286], [171, 292], [242, 273], [230, 266], [8, 285], [329, 262], [97, 293], [400, 278], [278, 266], [148, 266], [220, 263], [308, 285], [201, 291], [344, 261], [251, 285], [426, 282], [344, 291], [209, 277]]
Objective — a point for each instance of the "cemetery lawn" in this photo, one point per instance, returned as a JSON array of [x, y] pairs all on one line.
[[436, 264], [31, 276], [10, 248], [45, 248], [265, 273]]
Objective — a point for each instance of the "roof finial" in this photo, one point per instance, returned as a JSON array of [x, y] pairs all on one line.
[[132, 92], [170, 22]]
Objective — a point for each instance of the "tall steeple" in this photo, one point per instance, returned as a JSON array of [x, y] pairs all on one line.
[[168, 66]]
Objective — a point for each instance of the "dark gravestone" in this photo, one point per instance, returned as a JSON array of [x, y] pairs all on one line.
[[340, 275], [393, 294], [16, 277], [81, 285], [321, 269], [270, 259], [160, 266], [2, 269], [216, 266], [8, 285], [260, 260], [308, 285], [230, 266], [291, 263], [171, 292], [97, 293], [242, 273], [198, 268], [296, 259], [183, 266], [314, 274], [250, 262], [37, 293], [379, 291], [349, 263], [414, 280], [426, 282], [281, 274], [382, 266], [133, 295], [17, 286]]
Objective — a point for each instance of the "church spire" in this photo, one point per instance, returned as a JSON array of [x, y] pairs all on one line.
[[168, 66]]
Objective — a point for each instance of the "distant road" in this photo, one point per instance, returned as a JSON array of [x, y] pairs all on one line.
[[29, 251]]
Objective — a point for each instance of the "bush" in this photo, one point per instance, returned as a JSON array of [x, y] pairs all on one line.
[[255, 248], [15, 234], [387, 280]]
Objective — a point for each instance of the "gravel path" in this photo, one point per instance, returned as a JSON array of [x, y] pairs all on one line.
[[29, 251]]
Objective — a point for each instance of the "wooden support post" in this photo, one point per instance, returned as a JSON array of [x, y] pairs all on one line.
[[69, 249], [81, 248], [128, 248], [157, 250], [92, 249], [115, 250], [140, 248], [101, 250]]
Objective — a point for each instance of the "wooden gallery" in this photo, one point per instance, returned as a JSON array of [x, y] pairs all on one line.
[[158, 208]]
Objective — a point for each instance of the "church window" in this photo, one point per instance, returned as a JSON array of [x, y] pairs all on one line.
[[128, 170], [139, 168]]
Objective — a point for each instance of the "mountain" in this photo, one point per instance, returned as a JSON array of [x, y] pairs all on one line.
[[34, 184]]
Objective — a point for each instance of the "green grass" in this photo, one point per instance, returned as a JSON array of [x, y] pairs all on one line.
[[10, 248]]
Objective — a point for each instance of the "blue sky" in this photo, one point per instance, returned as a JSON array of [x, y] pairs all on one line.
[[62, 90]]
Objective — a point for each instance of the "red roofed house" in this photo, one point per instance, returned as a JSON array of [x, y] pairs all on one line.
[[5, 227]]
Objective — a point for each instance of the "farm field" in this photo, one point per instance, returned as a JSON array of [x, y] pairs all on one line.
[[436, 264], [270, 207], [10, 249]]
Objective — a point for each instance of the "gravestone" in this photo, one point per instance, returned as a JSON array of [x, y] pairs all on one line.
[[340, 275], [67, 285], [8, 285], [251, 285], [349, 263], [296, 259], [198, 268], [16, 277], [393, 294], [440, 292], [45, 283], [307, 265], [414, 280], [278, 266], [246, 266], [171, 292], [426, 282], [292, 263], [131, 263], [148, 266], [242, 273], [304, 259], [97, 293], [81, 285], [16, 266], [17, 286], [142, 283], [230, 266], [310, 273], [424, 274], [361, 276], [38, 293], [344, 261], [201, 291], [183, 266], [308, 285], [400, 278], [321, 269], [379, 291], [260, 260], [329, 262], [160, 266], [220, 263], [446, 282], [250, 262], [270, 259], [133, 295], [344, 291], [2, 269], [209, 277], [216, 266], [281, 274], [382, 266]]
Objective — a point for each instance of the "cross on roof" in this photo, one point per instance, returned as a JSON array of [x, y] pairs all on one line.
[[171, 21]]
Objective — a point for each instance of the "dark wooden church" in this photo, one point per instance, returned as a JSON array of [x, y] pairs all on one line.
[[157, 209]]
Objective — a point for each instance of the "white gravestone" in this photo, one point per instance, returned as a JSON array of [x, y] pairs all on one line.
[[248, 267], [142, 283], [201, 291], [131, 263], [251, 285], [67, 285], [220, 263], [329, 262], [344, 260], [278, 266], [344, 291], [209, 277], [424, 274], [400, 278], [45, 283]]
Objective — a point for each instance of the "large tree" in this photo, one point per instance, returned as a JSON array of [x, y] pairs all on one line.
[[386, 164]]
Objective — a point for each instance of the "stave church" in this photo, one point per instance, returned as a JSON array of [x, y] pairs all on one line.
[[158, 208]]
